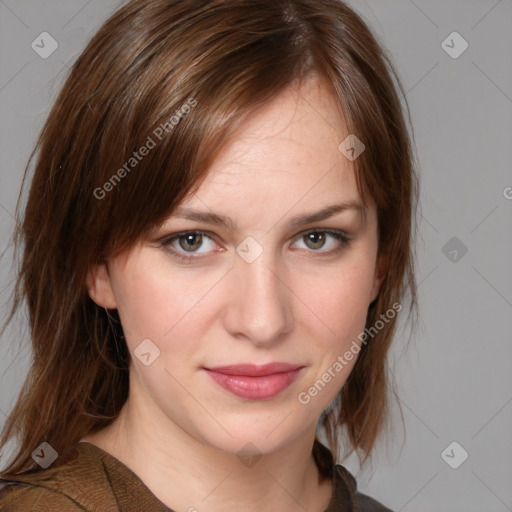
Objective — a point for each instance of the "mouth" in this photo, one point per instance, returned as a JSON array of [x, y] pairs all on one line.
[[254, 382]]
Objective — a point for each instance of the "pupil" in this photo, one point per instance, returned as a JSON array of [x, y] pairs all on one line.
[[317, 239], [189, 244]]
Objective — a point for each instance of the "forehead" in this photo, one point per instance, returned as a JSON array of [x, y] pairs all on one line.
[[285, 153]]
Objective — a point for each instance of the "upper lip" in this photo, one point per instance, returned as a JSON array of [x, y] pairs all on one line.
[[253, 370]]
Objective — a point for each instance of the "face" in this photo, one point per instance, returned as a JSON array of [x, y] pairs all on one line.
[[240, 310]]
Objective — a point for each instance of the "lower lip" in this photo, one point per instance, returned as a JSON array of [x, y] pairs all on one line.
[[255, 388]]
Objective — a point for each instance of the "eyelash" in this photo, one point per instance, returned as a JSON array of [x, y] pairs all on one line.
[[166, 242]]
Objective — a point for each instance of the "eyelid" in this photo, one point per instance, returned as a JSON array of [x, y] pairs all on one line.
[[166, 243], [168, 238], [338, 234]]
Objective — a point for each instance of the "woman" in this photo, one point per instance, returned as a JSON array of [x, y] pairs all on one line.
[[216, 247]]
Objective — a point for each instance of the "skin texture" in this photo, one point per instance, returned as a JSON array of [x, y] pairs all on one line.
[[298, 302]]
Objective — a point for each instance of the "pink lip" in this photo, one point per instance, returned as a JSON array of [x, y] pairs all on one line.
[[255, 382]]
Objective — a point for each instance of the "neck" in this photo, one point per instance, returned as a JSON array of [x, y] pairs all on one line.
[[205, 477]]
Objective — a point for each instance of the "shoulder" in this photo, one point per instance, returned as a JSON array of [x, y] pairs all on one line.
[[346, 496], [15, 497], [367, 504], [80, 481], [361, 502]]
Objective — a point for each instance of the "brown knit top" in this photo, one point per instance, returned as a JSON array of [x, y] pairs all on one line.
[[90, 479]]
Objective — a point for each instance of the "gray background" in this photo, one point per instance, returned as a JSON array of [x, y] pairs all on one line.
[[454, 379]]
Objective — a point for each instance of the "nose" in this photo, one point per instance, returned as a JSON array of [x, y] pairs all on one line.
[[260, 309]]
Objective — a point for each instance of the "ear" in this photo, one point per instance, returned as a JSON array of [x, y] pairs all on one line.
[[99, 286], [381, 268]]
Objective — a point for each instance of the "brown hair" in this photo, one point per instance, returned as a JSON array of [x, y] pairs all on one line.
[[138, 74]]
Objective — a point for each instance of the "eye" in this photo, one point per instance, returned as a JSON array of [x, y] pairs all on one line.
[[186, 245], [179, 244], [324, 241]]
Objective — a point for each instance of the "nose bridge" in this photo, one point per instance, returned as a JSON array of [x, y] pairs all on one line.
[[261, 309]]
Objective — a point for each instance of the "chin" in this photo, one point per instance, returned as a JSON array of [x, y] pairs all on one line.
[[256, 436]]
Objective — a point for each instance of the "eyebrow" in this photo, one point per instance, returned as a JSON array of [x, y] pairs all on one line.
[[299, 220]]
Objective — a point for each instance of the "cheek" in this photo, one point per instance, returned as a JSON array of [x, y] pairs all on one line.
[[144, 306], [151, 300], [169, 308], [340, 302], [340, 297]]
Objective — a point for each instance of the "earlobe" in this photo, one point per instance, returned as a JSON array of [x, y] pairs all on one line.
[[99, 286]]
